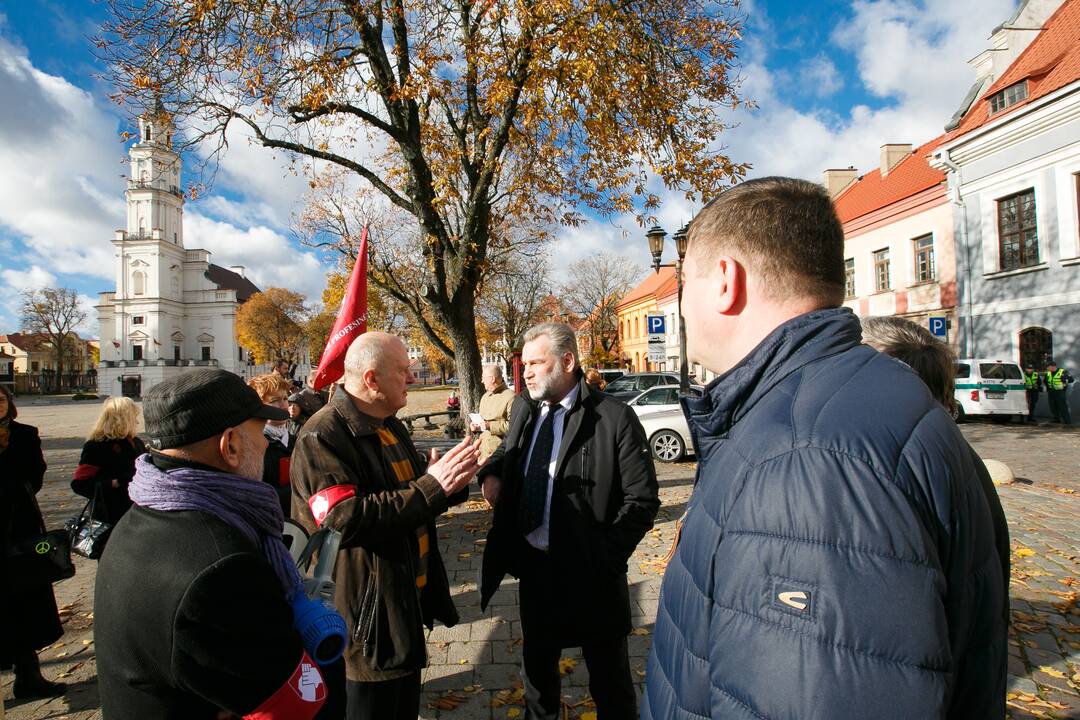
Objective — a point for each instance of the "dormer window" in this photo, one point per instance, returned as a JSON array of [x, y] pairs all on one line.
[[1009, 96]]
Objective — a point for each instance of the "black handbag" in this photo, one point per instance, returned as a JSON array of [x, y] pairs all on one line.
[[88, 535], [38, 559]]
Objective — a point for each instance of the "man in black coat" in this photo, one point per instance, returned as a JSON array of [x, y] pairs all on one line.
[[574, 491]]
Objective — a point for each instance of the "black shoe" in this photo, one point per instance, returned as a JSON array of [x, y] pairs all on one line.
[[37, 688]]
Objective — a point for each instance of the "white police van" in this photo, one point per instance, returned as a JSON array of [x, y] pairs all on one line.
[[989, 387]]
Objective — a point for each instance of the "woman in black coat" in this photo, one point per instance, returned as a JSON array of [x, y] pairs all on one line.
[[29, 619], [107, 463]]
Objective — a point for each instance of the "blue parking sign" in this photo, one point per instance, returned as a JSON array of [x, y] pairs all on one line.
[[655, 324], [938, 327]]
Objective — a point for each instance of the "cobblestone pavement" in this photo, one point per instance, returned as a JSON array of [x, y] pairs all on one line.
[[473, 669]]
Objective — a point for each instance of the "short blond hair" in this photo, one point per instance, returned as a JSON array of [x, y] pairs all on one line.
[[119, 419], [267, 385]]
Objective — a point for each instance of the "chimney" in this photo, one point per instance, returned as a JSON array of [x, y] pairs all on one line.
[[238, 269], [891, 154], [837, 180]]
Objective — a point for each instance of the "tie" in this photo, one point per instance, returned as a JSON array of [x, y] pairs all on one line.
[[534, 493]]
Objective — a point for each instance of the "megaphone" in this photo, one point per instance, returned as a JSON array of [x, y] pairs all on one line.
[[321, 627]]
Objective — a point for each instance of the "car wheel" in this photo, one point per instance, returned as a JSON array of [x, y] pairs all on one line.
[[957, 413], [667, 446]]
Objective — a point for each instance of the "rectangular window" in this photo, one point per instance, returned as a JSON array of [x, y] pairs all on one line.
[[176, 353], [1017, 232], [881, 270], [205, 352], [1009, 96], [137, 319], [136, 352], [849, 278], [34, 366], [924, 258]]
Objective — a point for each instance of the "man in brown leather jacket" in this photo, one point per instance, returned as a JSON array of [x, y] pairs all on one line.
[[356, 470]]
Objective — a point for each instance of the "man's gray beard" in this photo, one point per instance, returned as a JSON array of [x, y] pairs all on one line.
[[545, 392]]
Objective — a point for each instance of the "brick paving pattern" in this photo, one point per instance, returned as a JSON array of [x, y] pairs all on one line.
[[473, 671]]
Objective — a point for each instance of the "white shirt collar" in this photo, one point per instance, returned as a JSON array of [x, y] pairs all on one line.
[[568, 399]]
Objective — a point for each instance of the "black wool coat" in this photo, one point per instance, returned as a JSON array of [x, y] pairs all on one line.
[[604, 500], [101, 462], [189, 619], [28, 619]]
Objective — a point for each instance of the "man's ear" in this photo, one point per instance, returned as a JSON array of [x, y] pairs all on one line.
[[229, 448], [729, 286], [371, 380]]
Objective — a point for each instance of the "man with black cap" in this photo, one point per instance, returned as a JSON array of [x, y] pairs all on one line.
[[192, 614]]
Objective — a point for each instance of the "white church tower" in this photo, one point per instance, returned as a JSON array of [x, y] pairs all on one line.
[[172, 309]]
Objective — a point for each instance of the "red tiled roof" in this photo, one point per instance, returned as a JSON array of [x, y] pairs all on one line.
[[27, 342], [649, 285], [1049, 63], [872, 192]]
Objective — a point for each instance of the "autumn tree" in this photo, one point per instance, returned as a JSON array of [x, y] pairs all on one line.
[[511, 299], [54, 312], [465, 116], [272, 324], [593, 289], [383, 312]]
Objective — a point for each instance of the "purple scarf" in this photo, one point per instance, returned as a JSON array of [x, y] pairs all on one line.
[[250, 506]]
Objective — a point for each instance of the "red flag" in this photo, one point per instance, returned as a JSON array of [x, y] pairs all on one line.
[[351, 321]]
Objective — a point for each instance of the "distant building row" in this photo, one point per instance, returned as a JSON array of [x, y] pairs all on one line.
[[980, 226]]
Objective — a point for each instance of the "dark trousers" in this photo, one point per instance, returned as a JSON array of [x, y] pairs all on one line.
[[1033, 402], [610, 683], [388, 700], [543, 594], [1059, 406]]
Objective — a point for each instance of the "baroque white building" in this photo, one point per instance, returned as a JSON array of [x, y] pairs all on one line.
[[172, 309]]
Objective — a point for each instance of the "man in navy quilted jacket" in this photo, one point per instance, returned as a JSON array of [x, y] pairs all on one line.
[[837, 557]]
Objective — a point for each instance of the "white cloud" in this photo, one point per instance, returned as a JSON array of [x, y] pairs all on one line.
[[61, 169], [910, 53], [30, 279], [267, 256], [820, 77]]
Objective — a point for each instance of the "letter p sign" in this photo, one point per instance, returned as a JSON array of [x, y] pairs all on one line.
[[656, 324]]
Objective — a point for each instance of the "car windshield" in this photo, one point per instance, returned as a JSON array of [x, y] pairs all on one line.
[[999, 371], [621, 385]]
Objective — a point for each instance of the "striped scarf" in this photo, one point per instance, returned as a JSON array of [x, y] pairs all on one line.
[[400, 459]]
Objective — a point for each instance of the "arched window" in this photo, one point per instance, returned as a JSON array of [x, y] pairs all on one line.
[[138, 283], [1036, 347], [149, 133]]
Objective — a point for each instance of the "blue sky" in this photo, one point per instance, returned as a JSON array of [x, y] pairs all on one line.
[[833, 80]]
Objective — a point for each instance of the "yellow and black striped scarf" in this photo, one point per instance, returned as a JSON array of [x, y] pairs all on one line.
[[398, 456]]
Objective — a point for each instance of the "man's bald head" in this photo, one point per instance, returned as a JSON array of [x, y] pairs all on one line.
[[369, 350], [377, 373]]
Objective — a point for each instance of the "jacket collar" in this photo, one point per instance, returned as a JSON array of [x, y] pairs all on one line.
[[358, 423], [785, 350]]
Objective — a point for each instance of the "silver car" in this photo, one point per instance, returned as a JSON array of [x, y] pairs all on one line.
[[661, 415]]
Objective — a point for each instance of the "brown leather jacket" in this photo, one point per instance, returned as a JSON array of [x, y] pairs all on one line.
[[375, 572]]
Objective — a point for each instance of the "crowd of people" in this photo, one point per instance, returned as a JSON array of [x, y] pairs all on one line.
[[834, 561]]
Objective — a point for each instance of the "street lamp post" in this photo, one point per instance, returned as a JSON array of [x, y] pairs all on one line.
[[655, 236]]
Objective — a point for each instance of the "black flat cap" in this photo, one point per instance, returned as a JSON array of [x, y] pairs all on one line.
[[200, 404]]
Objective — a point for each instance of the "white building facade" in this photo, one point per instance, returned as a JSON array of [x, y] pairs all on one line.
[[1013, 167], [172, 308]]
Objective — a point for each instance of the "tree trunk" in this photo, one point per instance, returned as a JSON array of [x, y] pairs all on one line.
[[461, 327]]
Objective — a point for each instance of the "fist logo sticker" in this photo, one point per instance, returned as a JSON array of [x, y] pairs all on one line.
[[310, 686]]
